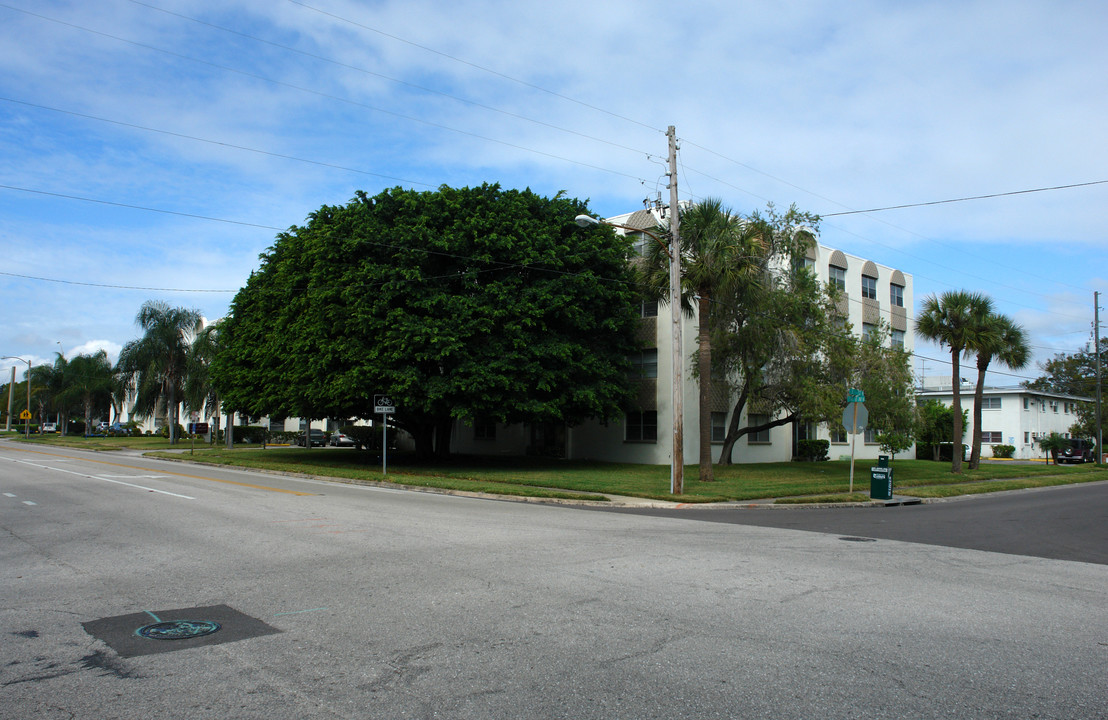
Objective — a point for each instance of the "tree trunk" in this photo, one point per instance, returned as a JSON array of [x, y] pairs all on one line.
[[956, 386], [704, 370], [978, 393]]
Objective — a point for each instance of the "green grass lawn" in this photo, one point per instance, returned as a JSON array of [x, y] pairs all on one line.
[[826, 481]]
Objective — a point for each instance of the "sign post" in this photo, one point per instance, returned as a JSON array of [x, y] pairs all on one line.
[[384, 405], [854, 420]]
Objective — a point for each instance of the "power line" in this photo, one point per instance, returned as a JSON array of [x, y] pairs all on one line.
[[478, 67], [327, 96], [398, 81], [965, 199]]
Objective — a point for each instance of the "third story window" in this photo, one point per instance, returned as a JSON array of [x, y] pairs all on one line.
[[869, 287], [896, 295], [837, 276]]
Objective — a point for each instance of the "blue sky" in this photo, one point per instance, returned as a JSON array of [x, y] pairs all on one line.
[[254, 113]]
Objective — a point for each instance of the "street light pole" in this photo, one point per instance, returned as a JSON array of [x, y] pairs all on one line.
[[677, 457], [12, 357]]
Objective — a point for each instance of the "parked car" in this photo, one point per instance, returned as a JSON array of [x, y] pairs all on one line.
[[103, 426], [339, 439], [117, 429], [318, 438], [48, 427], [1079, 451]]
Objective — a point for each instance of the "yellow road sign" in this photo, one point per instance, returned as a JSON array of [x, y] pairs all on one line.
[[25, 415]]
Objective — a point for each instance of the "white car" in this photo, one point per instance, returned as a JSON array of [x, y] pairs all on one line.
[[49, 428]]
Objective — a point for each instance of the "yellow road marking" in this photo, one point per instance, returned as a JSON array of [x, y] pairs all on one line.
[[166, 472]]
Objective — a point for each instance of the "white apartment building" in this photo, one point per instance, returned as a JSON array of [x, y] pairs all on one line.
[[872, 294], [1009, 416]]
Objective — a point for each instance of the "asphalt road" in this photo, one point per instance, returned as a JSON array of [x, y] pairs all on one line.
[[1061, 523], [348, 602]]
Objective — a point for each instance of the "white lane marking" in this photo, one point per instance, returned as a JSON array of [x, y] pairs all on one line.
[[28, 502], [9, 495], [102, 478]]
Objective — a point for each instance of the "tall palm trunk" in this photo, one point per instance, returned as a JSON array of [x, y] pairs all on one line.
[[704, 368], [956, 387], [975, 452]]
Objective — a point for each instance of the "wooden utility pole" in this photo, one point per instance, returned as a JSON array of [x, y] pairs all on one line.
[[677, 464]]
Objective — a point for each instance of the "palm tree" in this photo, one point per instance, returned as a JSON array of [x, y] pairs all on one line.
[[88, 383], [156, 364], [200, 394], [955, 320], [1005, 341], [717, 250]]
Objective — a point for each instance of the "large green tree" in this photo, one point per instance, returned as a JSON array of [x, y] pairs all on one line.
[[1002, 340], [155, 365], [779, 339], [955, 320], [719, 251], [88, 385], [478, 303]]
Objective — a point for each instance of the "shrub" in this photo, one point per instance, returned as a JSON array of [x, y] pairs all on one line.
[[812, 450], [249, 434], [1004, 451]]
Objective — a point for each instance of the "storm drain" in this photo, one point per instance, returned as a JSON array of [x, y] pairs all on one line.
[[178, 629], [158, 631]]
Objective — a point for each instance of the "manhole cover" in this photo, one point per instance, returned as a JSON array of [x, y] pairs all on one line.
[[178, 629], [858, 539]]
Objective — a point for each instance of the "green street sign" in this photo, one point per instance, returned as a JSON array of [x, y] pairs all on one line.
[[854, 395]]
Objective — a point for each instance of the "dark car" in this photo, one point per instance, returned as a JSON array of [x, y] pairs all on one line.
[[1079, 451], [318, 438]]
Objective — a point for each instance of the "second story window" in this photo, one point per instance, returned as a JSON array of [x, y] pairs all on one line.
[[896, 338], [649, 308], [896, 295], [869, 287], [644, 364]]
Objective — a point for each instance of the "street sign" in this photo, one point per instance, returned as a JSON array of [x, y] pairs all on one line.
[[855, 395], [855, 417], [25, 415], [383, 404]]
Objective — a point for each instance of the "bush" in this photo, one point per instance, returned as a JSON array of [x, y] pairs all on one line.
[[812, 450], [249, 434], [164, 431], [924, 451], [366, 437], [1004, 451]]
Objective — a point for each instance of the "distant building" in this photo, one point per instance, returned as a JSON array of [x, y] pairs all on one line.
[[1009, 416]]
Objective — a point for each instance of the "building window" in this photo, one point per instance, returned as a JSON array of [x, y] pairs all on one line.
[[838, 435], [837, 276], [869, 332], [484, 430], [642, 426], [896, 295], [804, 263], [897, 339], [762, 436], [1026, 437], [994, 437], [990, 403], [641, 244], [870, 436], [1054, 406], [649, 308], [719, 427], [869, 287], [1026, 403], [644, 364]]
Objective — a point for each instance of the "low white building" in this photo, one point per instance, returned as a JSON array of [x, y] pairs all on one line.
[[1009, 416]]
